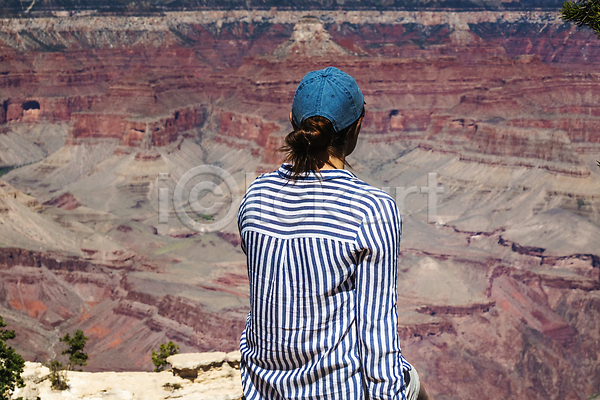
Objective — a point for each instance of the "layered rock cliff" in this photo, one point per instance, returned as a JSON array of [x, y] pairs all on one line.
[[133, 7]]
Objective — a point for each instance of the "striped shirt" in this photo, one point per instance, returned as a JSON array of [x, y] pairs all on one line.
[[322, 255]]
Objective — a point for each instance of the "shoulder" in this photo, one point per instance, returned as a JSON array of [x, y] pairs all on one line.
[[260, 182], [381, 224], [380, 216], [374, 201]]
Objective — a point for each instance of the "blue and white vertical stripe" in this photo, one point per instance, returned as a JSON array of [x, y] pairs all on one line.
[[322, 256]]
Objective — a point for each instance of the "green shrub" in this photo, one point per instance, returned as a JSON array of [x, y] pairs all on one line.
[[11, 366], [159, 358], [58, 375], [75, 351], [583, 13], [172, 386]]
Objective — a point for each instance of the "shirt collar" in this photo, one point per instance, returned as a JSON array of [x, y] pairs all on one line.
[[285, 171]]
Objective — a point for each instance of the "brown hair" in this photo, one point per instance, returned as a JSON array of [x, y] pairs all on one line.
[[311, 144]]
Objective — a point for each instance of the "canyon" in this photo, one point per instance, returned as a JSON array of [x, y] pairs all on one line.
[[498, 292], [24, 8]]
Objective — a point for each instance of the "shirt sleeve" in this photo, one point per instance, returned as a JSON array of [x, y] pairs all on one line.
[[378, 242], [251, 192], [240, 217]]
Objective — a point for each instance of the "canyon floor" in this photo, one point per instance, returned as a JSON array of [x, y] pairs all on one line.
[[498, 290]]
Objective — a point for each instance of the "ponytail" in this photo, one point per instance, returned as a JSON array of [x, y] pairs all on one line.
[[310, 145]]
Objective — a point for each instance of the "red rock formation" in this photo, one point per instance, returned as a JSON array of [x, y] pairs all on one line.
[[243, 126], [132, 131], [457, 310], [424, 330], [54, 290], [113, 92], [526, 304], [66, 201]]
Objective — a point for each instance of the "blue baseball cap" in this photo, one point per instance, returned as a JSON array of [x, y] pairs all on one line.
[[330, 93]]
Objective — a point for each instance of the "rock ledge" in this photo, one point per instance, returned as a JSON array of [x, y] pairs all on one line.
[[216, 376]]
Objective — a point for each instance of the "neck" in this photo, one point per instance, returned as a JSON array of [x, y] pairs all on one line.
[[334, 163]]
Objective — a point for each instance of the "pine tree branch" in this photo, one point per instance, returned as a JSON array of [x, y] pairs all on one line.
[[582, 13]]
